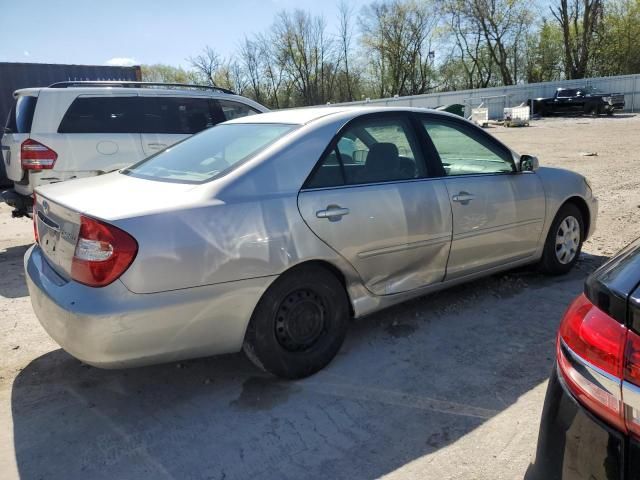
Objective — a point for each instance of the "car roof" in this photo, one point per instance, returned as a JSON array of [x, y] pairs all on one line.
[[302, 116]]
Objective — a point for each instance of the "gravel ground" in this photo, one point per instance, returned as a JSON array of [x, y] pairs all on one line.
[[448, 386]]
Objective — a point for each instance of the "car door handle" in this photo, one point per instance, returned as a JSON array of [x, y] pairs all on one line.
[[333, 213], [463, 197]]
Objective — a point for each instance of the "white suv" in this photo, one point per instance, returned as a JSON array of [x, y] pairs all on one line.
[[81, 129]]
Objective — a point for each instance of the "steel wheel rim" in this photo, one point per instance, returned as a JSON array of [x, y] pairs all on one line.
[[567, 240], [301, 320]]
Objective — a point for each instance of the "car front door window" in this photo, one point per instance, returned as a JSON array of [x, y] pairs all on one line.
[[462, 154]]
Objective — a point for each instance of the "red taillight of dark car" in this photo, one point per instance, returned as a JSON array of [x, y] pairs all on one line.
[[36, 156], [595, 355], [102, 254]]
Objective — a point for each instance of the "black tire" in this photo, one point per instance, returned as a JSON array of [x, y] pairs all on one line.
[[550, 263], [299, 324]]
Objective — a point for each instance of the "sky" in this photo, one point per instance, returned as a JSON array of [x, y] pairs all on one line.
[[139, 31]]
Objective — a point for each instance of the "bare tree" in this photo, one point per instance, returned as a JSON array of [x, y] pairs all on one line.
[[253, 63], [304, 48], [345, 13], [397, 37], [579, 21], [503, 24], [206, 64]]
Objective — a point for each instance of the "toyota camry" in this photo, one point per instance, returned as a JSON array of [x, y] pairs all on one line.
[[269, 233]]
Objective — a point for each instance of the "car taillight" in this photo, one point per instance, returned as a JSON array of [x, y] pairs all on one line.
[[36, 156], [631, 380], [599, 361], [102, 254]]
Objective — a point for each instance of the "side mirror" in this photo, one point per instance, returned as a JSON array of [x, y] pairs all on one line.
[[528, 163]]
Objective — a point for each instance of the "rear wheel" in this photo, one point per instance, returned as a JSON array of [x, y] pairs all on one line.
[[299, 324], [564, 241]]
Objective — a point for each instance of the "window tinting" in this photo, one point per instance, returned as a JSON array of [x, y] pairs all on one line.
[[175, 115], [21, 114], [233, 110], [462, 154], [567, 93], [376, 150], [209, 154], [328, 174], [102, 115]]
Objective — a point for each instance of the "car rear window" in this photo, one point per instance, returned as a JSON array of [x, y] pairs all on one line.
[[21, 115], [209, 154]]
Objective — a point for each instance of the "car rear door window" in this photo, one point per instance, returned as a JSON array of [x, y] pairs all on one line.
[[369, 151], [233, 109], [177, 115], [21, 114], [104, 114], [464, 153]]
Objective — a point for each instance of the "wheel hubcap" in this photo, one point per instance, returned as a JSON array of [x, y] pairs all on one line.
[[300, 320], [567, 240]]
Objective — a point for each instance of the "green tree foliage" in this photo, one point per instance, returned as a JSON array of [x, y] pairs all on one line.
[[618, 50], [408, 47]]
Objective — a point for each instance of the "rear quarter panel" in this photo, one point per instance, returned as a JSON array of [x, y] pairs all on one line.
[[220, 243], [246, 225]]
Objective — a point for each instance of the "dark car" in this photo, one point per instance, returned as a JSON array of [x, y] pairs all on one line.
[[590, 426], [587, 100]]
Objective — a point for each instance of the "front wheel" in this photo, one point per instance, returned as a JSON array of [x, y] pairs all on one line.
[[299, 324], [564, 241]]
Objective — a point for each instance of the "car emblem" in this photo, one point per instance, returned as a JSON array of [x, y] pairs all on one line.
[[45, 207]]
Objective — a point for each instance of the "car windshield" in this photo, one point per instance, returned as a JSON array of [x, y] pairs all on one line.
[[209, 154]]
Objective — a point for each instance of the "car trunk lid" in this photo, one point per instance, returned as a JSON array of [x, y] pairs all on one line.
[[57, 228], [59, 209]]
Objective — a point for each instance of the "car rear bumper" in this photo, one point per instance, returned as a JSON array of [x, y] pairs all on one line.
[[573, 444], [111, 327]]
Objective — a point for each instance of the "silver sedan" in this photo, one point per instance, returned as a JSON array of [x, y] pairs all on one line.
[[268, 233]]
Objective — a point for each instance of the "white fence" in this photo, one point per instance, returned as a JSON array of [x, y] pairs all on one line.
[[496, 99]]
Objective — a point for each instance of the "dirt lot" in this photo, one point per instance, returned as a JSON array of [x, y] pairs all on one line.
[[448, 386]]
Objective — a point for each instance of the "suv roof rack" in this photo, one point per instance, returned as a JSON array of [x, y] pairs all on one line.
[[131, 84]]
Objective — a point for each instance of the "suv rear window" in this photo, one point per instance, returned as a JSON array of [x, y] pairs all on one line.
[[235, 109], [101, 115], [209, 154], [141, 114], [186, 115], [21, 114]]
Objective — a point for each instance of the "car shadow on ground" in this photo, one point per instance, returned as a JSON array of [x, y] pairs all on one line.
[[12, 281], [409, 381]]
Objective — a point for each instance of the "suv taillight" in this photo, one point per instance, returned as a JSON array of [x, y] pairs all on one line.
[[36, 156], [597, 356], [102, 254]]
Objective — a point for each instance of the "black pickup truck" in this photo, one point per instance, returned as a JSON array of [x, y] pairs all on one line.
[[576, 101]]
